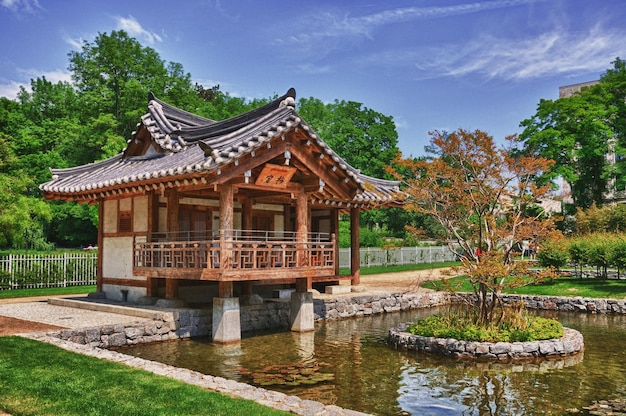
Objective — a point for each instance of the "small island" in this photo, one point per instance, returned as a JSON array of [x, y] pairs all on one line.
[[569, 344]]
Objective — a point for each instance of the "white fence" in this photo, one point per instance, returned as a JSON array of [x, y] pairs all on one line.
[[396, 256], [26, 271]]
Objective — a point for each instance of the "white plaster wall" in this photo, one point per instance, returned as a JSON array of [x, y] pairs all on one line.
[[140, 214], [118, 257], [126, 204], [110, 216]]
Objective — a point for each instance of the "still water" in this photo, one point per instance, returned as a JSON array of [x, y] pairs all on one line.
[[349, 364]]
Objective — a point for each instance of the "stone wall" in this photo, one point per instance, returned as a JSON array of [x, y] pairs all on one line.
[[175, 324], [269, 315], [556, 303], [570, 343], [363, 305], [274, 315]]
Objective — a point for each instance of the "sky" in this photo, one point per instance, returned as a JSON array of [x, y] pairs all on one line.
[[430, 64]]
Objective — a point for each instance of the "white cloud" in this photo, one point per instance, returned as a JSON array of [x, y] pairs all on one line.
[[551, 53], [348, 28], [134, 28], [21, 6], [312, 69], [74, 43], [11, 88]]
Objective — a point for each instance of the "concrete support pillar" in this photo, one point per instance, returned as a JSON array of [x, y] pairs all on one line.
[[301, 312], [226, 327]]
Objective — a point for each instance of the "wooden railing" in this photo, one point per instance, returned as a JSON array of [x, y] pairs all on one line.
[[249, 250]]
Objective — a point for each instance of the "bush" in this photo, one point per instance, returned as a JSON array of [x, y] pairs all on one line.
[[516, 327], [553, 254]]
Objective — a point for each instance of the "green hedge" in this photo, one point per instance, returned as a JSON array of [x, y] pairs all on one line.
[[603, 251]]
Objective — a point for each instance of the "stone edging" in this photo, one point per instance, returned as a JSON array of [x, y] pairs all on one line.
[[558, 303], [570, 343]]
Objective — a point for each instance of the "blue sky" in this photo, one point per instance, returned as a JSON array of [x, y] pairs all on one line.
[[430, 64]]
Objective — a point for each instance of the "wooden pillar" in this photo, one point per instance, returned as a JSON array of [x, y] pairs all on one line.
[[152, 283], [246, 288], [246, 214], [225, 289], [334, 230], [100, 245], [355, 252], [226, 225], [172, 212], [171, 285], [302, 229], [171, 288], [152, 286]]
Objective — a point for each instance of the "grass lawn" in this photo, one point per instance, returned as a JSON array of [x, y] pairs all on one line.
[[401, 268], [21, 293], [41, 379], [563, 286]]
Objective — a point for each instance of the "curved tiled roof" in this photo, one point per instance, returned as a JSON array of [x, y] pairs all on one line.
[[189, 146]]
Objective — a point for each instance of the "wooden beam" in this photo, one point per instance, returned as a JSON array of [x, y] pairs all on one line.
[[319, 169], [264, 155]]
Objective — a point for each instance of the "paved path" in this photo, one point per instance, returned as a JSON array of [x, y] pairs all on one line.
[[63, 316]]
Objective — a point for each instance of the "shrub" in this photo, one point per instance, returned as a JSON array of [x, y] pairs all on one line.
[[553, 254], [518, 326]]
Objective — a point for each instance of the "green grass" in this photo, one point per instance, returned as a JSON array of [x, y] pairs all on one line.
[[401, 268], [21, 293], [564, 286], [517, 326], [42, 379]]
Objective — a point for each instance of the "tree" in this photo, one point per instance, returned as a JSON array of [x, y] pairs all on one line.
[[115, 73], [484, 199], [363, 137], [574, 132], [21, 217]]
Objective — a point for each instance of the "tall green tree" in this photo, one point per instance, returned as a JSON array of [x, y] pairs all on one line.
[[578, 133], [365, 138], [22, 217], [115, 73]]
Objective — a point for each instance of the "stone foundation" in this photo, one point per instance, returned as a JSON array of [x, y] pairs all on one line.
[[570, 343]]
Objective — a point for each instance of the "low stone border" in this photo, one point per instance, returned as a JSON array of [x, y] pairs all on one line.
[[570, 343], [557, 303]]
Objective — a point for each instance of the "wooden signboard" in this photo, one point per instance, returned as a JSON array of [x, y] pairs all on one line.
[[276, 176]]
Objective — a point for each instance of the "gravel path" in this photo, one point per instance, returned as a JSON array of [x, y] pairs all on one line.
[[63, 316]]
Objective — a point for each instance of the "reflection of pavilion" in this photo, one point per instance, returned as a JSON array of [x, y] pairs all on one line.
[[202, 210]]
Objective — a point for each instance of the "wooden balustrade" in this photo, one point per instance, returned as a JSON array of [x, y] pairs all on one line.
[[249, 259]]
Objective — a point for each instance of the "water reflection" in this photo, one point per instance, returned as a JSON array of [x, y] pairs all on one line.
[[369, 376]]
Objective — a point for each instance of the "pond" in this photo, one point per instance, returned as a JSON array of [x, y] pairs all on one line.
[[348, 363]]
